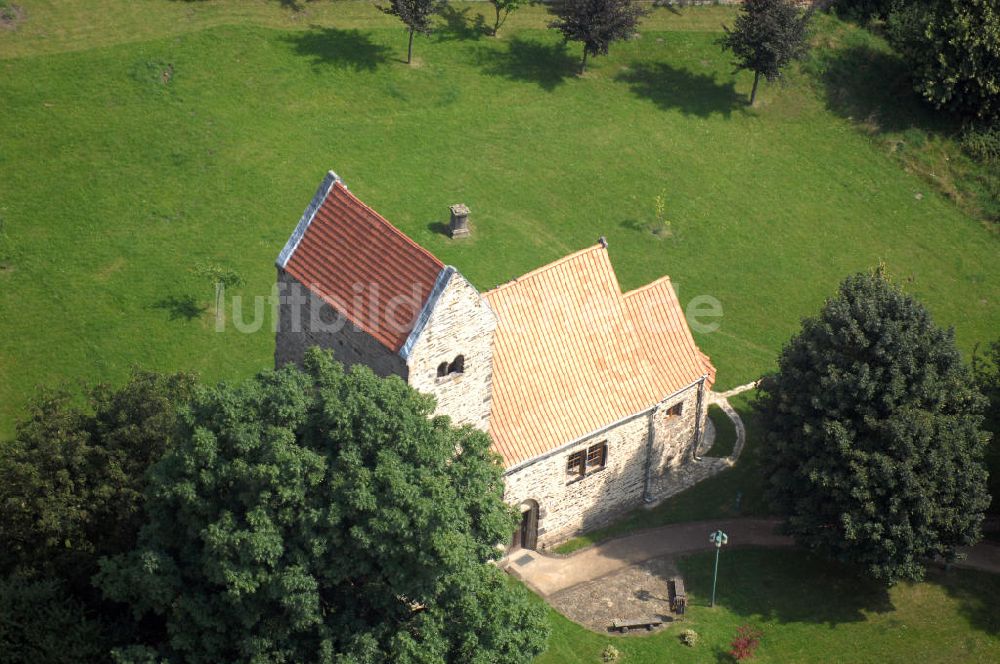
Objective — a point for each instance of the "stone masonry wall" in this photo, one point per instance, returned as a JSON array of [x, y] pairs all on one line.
[[674, 435], [461, 323], [318, 324], [568, 506], [675, 467]]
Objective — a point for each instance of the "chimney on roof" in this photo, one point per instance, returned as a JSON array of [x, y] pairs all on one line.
[[603, 241], [459, 220]]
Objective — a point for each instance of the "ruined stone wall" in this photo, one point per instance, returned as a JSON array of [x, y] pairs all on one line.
[[313, 322], [460, 323]]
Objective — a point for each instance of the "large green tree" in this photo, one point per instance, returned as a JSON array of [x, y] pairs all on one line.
[[596, 23], [72, 479], [41, 622], [71, 491], [986, 369], [874, 448], [953, 50], [323, 516], [766, 37]]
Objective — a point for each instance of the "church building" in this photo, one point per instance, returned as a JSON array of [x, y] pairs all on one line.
[[595, 399]]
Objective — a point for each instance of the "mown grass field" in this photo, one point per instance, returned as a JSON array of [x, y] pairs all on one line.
[[140, 140], [809, 611]]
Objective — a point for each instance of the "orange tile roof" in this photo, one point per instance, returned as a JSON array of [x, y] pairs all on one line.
[[360, 264], [572, 354]]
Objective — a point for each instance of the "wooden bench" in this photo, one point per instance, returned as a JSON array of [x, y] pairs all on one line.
[[623, 625], [678, 597]]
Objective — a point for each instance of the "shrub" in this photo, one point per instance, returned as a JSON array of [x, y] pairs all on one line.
[[863, 10], [610, 654], [689, 637], [744, 645], [982, 144]]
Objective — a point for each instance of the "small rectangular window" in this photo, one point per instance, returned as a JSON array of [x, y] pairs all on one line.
[[575, 465], [675, 410], [587, 461], [597, 457]]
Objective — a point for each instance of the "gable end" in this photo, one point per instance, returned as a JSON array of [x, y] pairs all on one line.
[[307, 217]]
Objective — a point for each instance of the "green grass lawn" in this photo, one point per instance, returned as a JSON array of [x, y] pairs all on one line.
[[142, 139], [725, 432], [809, 611]]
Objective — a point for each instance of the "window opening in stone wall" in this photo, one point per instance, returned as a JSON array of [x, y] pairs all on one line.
[[588, 461], [575, 464], [455, 367], [675, 410], [597, 457]]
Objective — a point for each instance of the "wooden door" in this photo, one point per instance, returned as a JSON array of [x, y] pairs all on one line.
[[529, 528]]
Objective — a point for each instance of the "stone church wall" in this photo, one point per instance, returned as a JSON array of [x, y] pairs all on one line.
[[313, 322], [568, 505], [461, 323]]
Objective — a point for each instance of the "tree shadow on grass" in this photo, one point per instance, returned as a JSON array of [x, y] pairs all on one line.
[[671, 88], [178, 307], [547, 65], [785, 586], [344, 49], [458, 27], [292, 5], [978, 595], [872, 86]]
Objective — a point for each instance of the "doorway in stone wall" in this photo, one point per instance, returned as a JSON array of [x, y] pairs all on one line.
[[526, 535]]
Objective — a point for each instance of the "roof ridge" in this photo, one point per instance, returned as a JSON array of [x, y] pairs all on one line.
[[651, 284], [406, 238], [547, 266]]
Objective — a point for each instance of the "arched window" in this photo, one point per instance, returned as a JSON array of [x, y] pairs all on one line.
[[455, 367]]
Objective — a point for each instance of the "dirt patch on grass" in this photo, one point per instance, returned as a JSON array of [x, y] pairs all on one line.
[[11, 15], [110, 269]]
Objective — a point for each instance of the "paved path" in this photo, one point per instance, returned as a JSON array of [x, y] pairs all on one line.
[[548, 574], [984, 556]]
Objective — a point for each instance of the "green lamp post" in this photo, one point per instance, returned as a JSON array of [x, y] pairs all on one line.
[[718, 538]]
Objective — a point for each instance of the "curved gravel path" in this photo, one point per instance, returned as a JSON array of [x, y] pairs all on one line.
[[548, 574]]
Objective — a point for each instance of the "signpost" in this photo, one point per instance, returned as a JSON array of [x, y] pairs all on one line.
[[718, 538]]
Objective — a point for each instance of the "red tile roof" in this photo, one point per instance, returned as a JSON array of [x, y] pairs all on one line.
[[360, 264], [572, 354]]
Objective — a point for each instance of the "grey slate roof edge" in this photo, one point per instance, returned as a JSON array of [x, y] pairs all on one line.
[[444, 276], [307, 217]]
